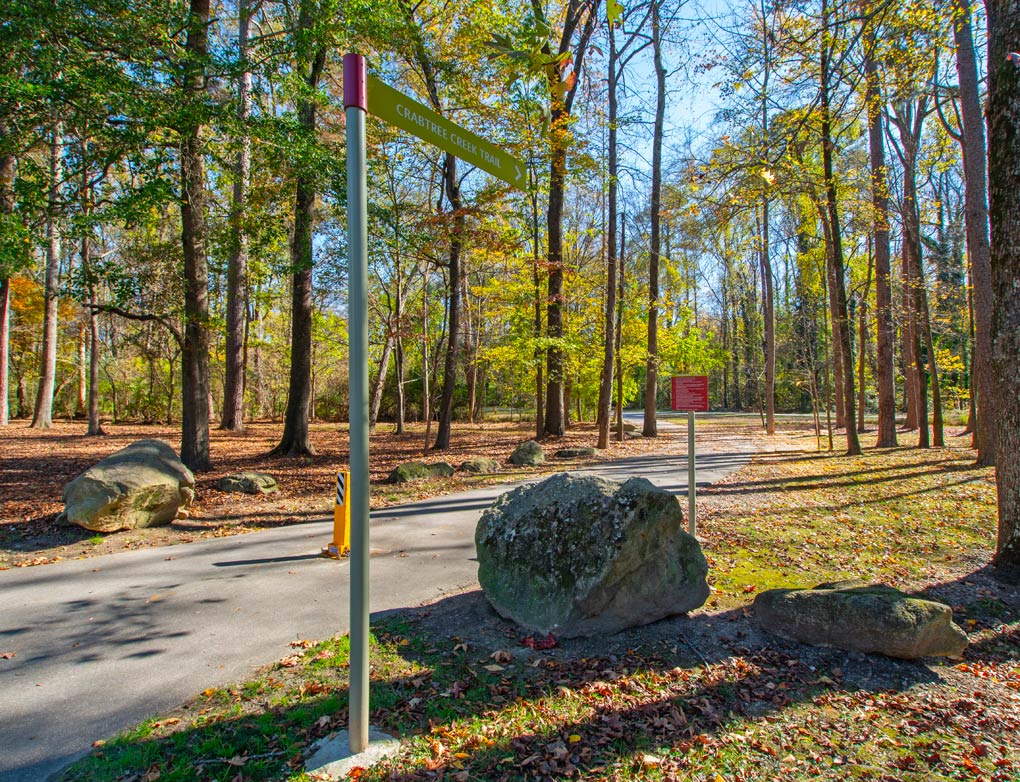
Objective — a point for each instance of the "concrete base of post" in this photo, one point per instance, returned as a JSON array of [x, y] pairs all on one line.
[[332, 756]]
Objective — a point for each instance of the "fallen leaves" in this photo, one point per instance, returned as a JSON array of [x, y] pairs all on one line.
[[539, 643]]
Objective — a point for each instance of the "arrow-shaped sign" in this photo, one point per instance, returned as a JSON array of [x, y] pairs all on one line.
[[397, 109]]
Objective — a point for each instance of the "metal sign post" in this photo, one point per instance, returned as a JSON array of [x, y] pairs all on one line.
[[692, 505], [355, 108], [364, 94], [690, 393]]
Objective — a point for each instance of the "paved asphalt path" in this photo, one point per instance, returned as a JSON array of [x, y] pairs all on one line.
[[102, 643]]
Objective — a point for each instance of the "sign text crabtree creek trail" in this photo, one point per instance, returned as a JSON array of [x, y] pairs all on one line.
[[396, 108]]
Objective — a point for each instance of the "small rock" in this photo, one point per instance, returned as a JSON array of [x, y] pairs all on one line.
[[480, 464], [860, 617], [528, 454], [248, 483], [419, 471], [574, 453]]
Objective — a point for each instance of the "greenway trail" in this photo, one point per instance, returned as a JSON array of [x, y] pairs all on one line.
[[100, 644]]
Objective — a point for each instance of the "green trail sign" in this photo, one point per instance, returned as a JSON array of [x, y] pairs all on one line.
[[397, 109]]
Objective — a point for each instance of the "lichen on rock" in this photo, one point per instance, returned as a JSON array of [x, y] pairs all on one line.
[[582, 555]]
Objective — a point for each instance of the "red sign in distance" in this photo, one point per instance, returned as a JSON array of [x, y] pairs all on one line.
[[690, 392]]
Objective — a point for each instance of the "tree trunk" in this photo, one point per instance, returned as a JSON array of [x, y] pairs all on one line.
[[609, 318], [426, 402], [380, 381], [537, 319], [562, 89], [452, 189], [296, 440], [767, 281], [7, 169], [1004, 211], [95, 425], [43, 416], [909, 120], [834, 320], [5, 330], [81, 387], [195, 358], [853, 445], [976, 221], [237, 261], [95, 428], [554, 413], [398, 347], [862, 346], [911, 395], [885, 331], [650, 428], [619, 331], [768, 310]]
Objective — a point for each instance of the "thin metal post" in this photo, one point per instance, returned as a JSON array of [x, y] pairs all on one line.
[[692, 508], [355, 106]]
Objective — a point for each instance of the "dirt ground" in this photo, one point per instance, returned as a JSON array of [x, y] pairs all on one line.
[[36, 464]]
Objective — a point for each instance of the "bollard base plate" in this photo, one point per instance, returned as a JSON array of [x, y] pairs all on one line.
[[332, 551], [331, 756]]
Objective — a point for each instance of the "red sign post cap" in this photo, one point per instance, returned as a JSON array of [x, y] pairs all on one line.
[[354, 82], [690, 392]]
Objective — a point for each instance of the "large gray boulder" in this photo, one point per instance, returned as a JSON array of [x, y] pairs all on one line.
[[248, 483], [419, 471], [142, 485], [529, 454], [870, 618], [583, 555]]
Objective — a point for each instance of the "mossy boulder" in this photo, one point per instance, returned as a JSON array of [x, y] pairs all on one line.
[[142, 485], [529, 454], [583, 555], [420, 471], [869, 618], [480, 464], [248, 483], [574, 453]]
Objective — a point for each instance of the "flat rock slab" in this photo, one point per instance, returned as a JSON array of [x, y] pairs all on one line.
[[419, 471], [142, 485], [574, 453], [480, 464], [869, 618], [248, 483], [579, 555]]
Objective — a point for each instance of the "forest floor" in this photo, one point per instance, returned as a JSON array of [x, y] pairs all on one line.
[[707, 697], [36, 464]]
